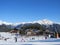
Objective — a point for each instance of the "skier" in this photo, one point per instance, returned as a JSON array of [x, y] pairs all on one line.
[[15, 39]]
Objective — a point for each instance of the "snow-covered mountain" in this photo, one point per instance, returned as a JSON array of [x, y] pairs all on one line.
[[5, 26], [44, 21]]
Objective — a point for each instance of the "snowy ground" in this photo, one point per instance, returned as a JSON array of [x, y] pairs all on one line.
[[40, 40], [30, 43]]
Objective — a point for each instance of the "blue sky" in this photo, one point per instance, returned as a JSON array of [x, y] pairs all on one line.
[[29, 10]]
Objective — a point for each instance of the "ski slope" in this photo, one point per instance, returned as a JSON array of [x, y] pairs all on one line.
[[26, 40]]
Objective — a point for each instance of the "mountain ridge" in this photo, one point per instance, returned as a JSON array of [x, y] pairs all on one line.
[[44, 21], [39, 25]]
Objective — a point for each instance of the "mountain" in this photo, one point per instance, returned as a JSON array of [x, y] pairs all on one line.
[[39, 25], [44, 21], [5, 28]]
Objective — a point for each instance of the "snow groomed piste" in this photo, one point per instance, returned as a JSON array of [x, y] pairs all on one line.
[[32, 42]]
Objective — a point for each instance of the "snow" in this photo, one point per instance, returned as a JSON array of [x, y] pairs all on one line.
[[31, 43], [11, 37], [24, 40], [44, 21]]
